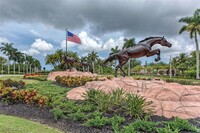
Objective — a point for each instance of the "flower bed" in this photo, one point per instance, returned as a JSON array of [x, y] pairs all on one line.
[[35, 76], [13, 84], [11, 96], [76, 81]]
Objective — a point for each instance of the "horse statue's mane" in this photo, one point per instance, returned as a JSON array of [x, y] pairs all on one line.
[[148, 38]]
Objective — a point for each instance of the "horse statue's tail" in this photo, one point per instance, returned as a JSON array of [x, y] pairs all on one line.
[[110, 59]]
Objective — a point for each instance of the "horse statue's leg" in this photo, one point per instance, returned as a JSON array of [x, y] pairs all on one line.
[[116, 69], [121, 63], [153, 52]]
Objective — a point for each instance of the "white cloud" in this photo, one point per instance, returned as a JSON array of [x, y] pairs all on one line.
[[34, 32], [42, 45], [179, 45], [69, 44], [39, 46], [31, 52], [92, 43], [4, 39]]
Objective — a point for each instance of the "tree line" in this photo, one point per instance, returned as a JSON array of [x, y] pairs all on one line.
[[25, 62]]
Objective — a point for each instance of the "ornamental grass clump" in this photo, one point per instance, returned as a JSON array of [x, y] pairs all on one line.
[[117, 101]]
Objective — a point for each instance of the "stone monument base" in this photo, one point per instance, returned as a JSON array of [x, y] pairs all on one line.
[[169, 99]]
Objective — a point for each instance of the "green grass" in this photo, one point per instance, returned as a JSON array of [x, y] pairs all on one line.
[[10, 124], [27, 81]]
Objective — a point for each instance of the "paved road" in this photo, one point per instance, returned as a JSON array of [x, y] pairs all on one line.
[[9, 75]]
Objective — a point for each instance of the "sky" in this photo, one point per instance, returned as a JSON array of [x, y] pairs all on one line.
[[38, 27]]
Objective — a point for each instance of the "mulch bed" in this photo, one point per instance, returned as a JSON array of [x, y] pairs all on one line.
[[44, 116]]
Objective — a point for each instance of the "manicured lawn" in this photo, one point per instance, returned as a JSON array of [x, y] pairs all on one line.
[[10, 124], [19, 78]]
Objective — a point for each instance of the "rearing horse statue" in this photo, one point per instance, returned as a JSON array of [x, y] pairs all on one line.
[[143, 48]]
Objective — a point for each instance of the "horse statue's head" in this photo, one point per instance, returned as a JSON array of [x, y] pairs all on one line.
[[164, 42]]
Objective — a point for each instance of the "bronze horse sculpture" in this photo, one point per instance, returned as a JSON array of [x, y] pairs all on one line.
[[143, 48], [84, 64], [69, 60]]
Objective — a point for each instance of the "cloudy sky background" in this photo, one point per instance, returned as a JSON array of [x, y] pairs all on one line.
[[38, 27]]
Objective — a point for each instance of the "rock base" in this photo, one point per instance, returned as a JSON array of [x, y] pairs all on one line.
[[72, 73], [169, 99]]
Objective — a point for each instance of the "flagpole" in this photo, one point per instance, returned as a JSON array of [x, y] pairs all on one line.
[[66, 41]]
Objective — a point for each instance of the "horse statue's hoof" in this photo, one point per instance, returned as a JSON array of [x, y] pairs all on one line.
[[156, 59]]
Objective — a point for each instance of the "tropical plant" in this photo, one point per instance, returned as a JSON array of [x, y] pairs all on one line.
[[141, 126], [193, 27], [7, 49], [93, 57]]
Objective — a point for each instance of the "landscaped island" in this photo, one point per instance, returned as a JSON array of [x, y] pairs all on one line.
[[100, 111]]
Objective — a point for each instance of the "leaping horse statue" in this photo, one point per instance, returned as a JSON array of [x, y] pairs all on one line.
[[143, 48]]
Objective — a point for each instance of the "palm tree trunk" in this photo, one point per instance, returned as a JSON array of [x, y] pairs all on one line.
[[14, 67], [129, 67], [8, 67], [197, 56], [2, 67], [30, 68], [18, 68], [93, 67]]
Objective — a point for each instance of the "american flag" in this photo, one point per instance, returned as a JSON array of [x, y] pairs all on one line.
[[73, 38]]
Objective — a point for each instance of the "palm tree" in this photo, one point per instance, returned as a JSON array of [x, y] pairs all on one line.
[[7, 50], [113, 51], [193, 27], [13, 56], [20, 59], [2, 62], [127, 44], [92, 57], [29, 60]]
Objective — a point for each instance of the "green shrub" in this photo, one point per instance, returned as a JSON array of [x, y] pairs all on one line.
[[98, 121], [77, 116], [94, 114], [116, 121], [99, 98], [136, 106], [181, 125], [133, 105], [117, 96], [180, 81], [140, 126], [58, 113], [167, 129], [191, 74]]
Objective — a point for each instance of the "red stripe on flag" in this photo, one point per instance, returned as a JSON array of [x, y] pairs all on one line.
[[75, 39]]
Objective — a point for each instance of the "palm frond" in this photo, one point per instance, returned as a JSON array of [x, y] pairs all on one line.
[[184, 28], [186, 20]]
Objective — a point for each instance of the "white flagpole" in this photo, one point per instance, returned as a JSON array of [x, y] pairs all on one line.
[[170, 68], [66, 41]]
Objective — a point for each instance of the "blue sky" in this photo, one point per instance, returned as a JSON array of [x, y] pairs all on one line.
[[39, 27]]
